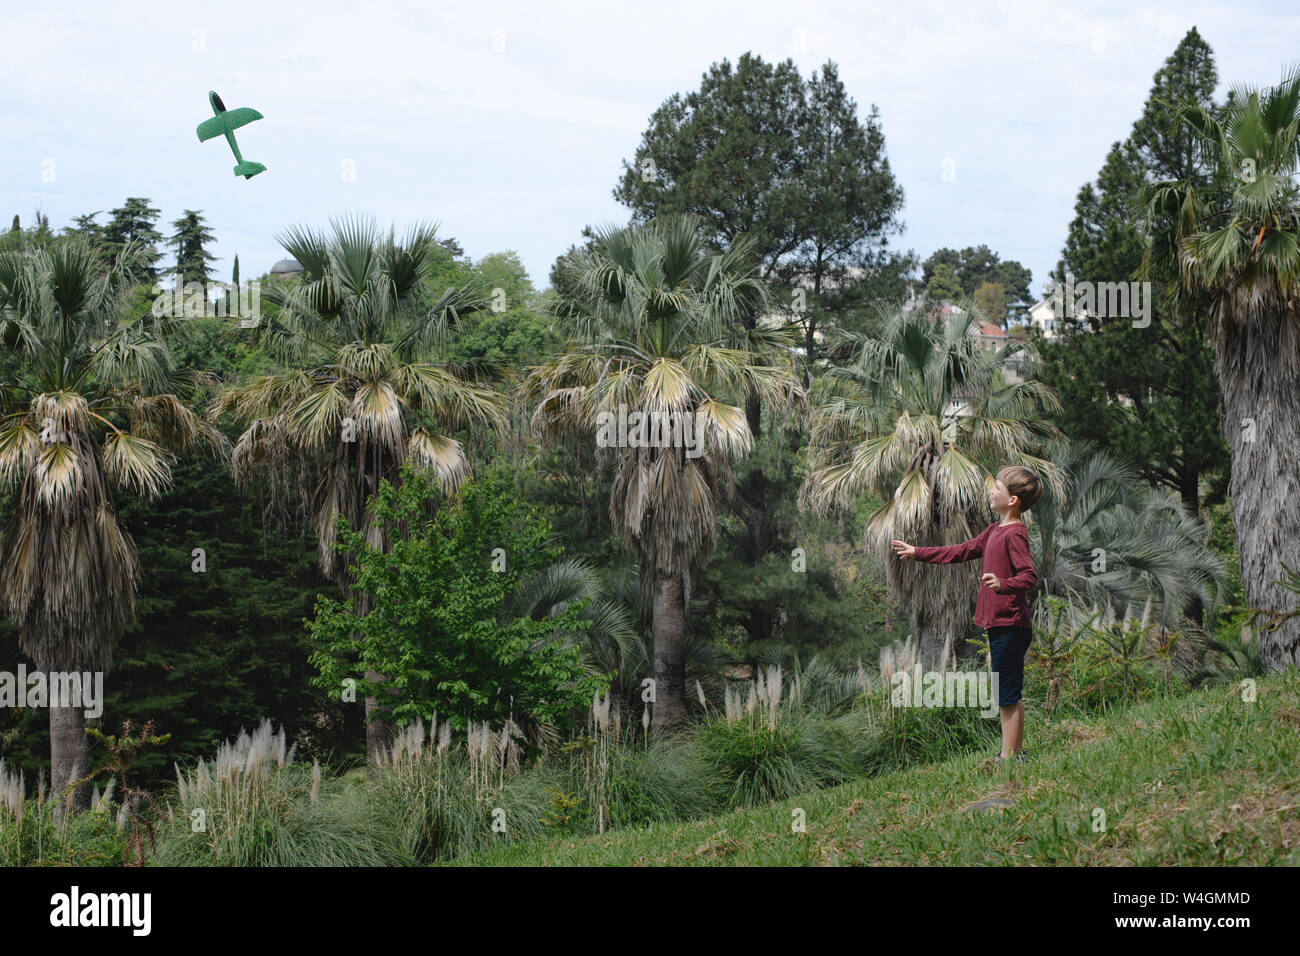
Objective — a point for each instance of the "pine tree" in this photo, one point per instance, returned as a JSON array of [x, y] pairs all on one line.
[[188, 242], [788, 162], [87, 226], [1170, 431], [134, 222]]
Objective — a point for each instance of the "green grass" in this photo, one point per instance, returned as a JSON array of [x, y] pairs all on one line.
[[1194, 780]]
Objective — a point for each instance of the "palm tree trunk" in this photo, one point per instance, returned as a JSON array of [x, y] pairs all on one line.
[[930, 641], [1259, 379], [669, 630], [69, 756]]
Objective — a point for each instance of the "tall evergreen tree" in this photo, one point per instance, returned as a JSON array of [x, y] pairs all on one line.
[[188, 242], [759, 151], [133, 222], [88, 228], [1148, 393]]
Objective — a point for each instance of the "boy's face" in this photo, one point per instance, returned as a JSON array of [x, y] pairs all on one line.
[[1000, 500]]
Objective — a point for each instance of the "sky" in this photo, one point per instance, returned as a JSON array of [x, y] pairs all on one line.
[[507, 123]]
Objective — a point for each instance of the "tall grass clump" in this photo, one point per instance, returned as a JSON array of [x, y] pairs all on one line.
[[620, 779], [252, 806], [445, 798], [32, 834], [886, 737], [766, 747]]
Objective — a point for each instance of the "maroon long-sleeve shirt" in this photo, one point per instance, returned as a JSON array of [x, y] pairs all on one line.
[[1005, 550]]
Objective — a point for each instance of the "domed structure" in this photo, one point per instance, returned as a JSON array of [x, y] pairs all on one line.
[[286, 267]]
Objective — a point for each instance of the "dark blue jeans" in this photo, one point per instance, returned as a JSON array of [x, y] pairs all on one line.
[[1007, 647]]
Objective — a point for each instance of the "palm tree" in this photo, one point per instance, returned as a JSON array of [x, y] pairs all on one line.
[[1117, 547], [363, 389], [1238, 242], [655, 322], [922, 417], [92, 409], [609, 639], [616, 641]]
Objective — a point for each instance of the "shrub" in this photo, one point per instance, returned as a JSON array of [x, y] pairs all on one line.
[[32, 835], [253, 807], [765, 752], [442, 800]]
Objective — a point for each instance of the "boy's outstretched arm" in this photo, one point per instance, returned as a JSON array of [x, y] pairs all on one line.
[[951, 553]]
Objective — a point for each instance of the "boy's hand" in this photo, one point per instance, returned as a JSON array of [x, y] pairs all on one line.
[[904, 550], [990, 580]]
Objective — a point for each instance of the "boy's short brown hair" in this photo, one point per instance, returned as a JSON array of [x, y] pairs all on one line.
[[1022, 483]]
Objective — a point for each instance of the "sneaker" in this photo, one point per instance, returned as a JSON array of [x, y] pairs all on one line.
[[1021, 757]]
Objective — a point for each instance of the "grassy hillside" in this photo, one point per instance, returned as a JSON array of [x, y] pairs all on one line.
[[1205, 779]]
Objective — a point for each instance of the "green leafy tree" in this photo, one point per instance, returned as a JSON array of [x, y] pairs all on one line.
[[443, 625], [943, 285], [991, 300], [976, 265], [509, 334]]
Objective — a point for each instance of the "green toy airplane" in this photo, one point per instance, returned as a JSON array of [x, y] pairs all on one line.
[[227, 121]]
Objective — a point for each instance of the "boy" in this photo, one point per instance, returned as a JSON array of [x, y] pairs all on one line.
[[1006, 576]]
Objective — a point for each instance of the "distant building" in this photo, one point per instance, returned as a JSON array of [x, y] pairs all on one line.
[[991, 336], [1042, 316], [286, 267]]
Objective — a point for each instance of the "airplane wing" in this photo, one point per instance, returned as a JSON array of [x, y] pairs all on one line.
[[241, 117], [210, 128], [222, 123]]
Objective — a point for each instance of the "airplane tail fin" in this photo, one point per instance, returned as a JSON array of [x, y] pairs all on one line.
[[249, 169]]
